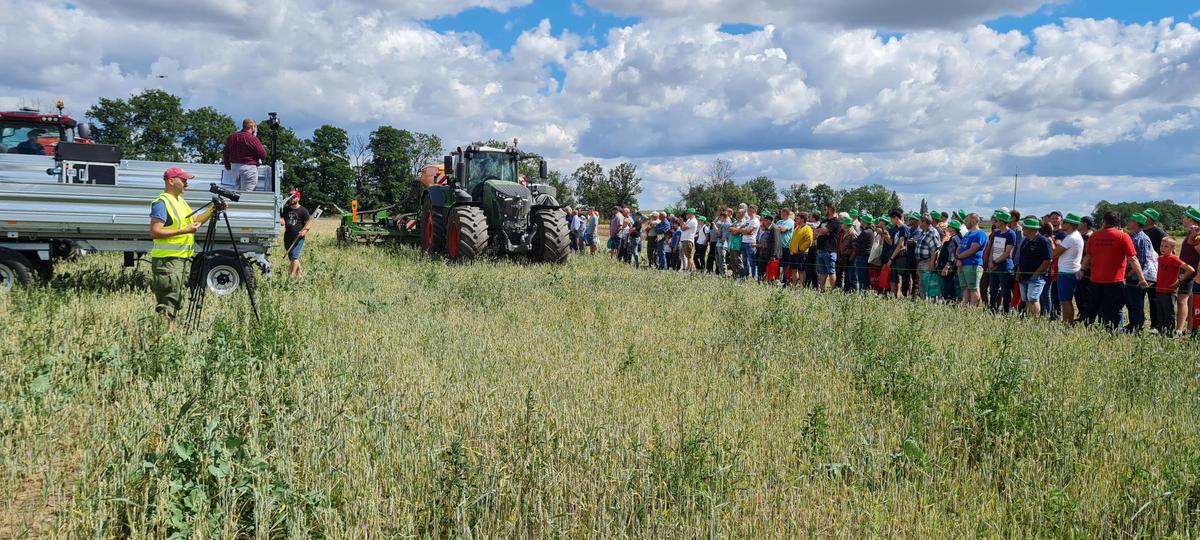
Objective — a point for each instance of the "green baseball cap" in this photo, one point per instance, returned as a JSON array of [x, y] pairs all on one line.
[[1002, 216], [954, 224], [866, 218], [765, 213], [1152, 214], [915, 216], [847, 220], [668, 210], [1193, 213], [960, 214], [853, 213], [1031, 223], [935, 215], [1138, 218], [882, 219], [704, 219], [691, 210], [1072, 218]]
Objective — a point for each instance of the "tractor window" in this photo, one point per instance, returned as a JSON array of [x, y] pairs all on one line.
[[490, 166], [28, 139]]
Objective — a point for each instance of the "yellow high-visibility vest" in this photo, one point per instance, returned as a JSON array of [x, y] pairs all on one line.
[[178, 246]]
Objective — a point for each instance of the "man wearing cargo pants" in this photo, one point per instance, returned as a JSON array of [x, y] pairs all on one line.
[[173, 229], [243, 154]]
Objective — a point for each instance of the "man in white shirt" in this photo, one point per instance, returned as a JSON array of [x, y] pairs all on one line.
[[1069, 253], [748, 228], [702, 246], [687, 241], [614, 230]]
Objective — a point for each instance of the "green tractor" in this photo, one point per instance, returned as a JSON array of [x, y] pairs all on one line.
[[485, 207]]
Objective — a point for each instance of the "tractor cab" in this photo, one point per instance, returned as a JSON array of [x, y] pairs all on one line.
[[29, 132]]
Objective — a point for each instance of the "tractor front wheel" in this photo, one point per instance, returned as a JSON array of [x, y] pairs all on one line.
[[467, 233], [552, 241]]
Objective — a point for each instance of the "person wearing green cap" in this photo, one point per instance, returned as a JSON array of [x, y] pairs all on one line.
[[1136, 296], [1108, 254], [701, 242], [928, 247], [1000, 258], [860, 270], [1036, 257], [947, 259], [785, 228], [1068, 252], [1152, 230]]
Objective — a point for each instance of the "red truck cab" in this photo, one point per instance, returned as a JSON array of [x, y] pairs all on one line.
[[30, 132]]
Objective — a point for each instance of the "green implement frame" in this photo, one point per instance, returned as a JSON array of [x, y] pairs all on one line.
[[375, 226]]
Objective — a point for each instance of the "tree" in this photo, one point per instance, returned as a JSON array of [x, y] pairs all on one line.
[[204, 133], [592, 186], [566, 194], [360, 156], [331, 177], [875, 199], [924, 207], [114, 124], [798, 197], [823, 195], [391, 163], [1170, 212], [293, 152], [625, 184], [760, 192], [158, 125], [716, 189]]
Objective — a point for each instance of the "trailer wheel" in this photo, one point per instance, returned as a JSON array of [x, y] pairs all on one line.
[[14, 270], [224, 274]]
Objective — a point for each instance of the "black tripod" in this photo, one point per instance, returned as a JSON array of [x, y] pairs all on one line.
[[198, 285]]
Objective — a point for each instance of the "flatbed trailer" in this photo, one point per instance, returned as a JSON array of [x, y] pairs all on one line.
[[78, 202]]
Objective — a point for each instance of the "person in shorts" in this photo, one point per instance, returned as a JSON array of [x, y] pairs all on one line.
[[1069, 254], [826, 242], [296, 221], [1037, 253], [970, 260], [1173, 276], [798, 245]]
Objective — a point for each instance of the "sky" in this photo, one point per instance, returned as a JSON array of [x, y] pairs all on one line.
[[944, 100]]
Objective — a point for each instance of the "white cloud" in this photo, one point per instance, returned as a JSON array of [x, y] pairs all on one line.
[[1103, 108]]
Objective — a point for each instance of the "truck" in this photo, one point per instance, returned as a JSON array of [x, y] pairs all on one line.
[[79, 198]]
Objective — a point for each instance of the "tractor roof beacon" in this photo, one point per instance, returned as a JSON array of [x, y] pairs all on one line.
[[487, 207]]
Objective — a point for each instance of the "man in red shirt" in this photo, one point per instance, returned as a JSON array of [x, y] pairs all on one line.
[[1107, 253], [243, 153]]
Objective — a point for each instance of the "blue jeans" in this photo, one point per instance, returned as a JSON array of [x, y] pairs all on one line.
[[662, 254], [1136, 304], [1032, 289], [749, 264], [635, 250], [860, 275], [294, 253]]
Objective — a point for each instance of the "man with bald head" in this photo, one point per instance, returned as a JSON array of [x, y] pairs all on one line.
[[243, 153]]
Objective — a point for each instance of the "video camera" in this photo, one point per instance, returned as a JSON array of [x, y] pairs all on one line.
[[273, 120], [222, 192]]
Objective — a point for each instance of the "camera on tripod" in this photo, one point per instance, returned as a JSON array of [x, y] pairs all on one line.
[[222, 192]]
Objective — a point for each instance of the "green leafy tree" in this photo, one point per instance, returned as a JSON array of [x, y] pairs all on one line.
[[204, 133], [625, 184], [293, 153], [798, 197], [114, 124], [158, 125], [823, 194], [330, 179], [761, 192], [592, 186], [392, 164], [717, 189], [1171, 212], [924, 207], [566, 194], [874, 198]]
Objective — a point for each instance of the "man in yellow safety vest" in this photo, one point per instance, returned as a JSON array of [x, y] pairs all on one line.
[[173, 228]]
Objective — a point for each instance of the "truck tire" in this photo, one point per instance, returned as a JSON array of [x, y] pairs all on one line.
[[223, 273], [552, 240], [466, 234], [433, 229], [14, 270]]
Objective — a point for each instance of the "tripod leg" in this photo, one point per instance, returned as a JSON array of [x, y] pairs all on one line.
[[246, 282], [198, 285]]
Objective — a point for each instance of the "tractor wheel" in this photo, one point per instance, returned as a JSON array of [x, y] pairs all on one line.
[[552, 241], [433, 229], [342, 237], [467, 233], [14, 270]]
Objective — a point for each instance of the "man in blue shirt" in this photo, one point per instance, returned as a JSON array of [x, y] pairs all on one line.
[[895, 252], [1000, 256], [970, 260], [1148, 258], [1036, 256]]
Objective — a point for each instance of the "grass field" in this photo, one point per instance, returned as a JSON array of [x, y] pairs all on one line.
[[391, 396]]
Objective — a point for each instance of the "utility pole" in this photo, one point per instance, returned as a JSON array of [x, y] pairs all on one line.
[[1015, 177]]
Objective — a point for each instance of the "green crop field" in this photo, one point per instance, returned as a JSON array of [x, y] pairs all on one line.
[[391, 396]]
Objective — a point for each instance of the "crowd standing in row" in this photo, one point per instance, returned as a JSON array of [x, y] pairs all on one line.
[[1065, 267]]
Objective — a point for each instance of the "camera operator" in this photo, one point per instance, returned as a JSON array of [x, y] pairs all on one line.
[[296, 221], [173, 228], [242, 155]]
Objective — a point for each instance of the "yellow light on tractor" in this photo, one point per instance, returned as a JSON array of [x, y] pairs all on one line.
[[59, 104]]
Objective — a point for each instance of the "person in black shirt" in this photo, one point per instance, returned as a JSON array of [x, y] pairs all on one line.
[[296, 222], [31, 146], [826, 244], [1036, 257], [1152, 229]]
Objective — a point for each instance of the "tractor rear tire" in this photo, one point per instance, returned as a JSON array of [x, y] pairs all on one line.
[[433, 229], [467, 233], [14, 270], [552, 240]]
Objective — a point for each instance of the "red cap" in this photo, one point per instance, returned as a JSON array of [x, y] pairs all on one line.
[[176, 172], [295, 194]]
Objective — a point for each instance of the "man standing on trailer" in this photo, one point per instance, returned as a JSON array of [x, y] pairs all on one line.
[[173, 228], [296, 221], [243, 153]]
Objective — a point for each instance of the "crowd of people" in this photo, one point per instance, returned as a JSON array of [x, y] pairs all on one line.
[[1069, 267]]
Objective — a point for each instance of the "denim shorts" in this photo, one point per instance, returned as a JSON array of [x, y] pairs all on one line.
[[1066, 286], [1031, 289], [826, 262], [294, 254]]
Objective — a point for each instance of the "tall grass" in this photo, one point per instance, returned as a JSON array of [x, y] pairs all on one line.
[[388, 395]]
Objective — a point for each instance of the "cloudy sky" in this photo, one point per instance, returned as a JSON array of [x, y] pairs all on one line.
[[942, 99]]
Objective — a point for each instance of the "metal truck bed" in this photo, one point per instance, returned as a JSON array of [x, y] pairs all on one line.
[[37, 207]]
